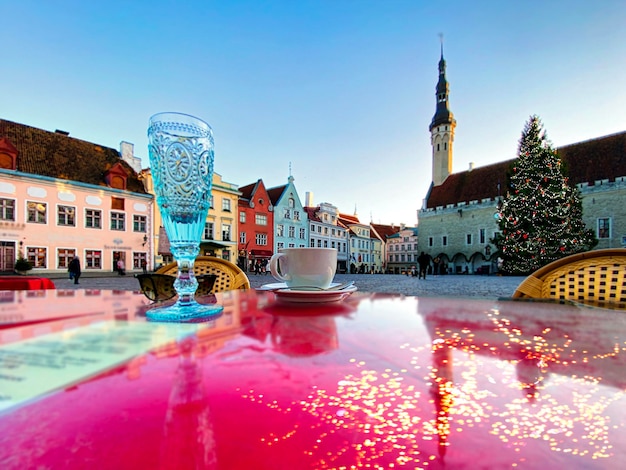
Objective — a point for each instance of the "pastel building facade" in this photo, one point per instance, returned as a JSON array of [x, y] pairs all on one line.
[[291, 227], [62, 197]]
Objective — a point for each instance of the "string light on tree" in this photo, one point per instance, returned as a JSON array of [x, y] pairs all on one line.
[[540, 218]]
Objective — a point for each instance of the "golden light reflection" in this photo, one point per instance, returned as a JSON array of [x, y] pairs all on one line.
[[520, 387]]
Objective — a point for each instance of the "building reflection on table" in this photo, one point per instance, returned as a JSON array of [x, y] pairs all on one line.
[[375, 381]]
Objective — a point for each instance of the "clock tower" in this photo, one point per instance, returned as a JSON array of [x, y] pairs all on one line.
[[442, 128]]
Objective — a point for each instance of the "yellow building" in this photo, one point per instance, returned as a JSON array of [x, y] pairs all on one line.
[[220, 230]]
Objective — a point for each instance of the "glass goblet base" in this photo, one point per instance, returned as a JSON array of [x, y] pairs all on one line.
[[190, 312]]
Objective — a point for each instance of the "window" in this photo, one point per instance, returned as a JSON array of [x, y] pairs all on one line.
[[242, 217], [65, 215], [117, 203], [280, 245], [209, 231], [7, 209], [280, 230], [242, 238], [139, 258], [430, 241], [444, 240], [93, 218], [139, 223], [604, 228], [37, 212], [287, 214], [261, 239], [468, 239], [226, 204], [325, 243], [226, 232], [292, 202], [64, 256], [312, 244], [93, 259], [482, 235], [292, 231], [37, 256], [118, 221], [296, 215], [302, 233], [260, 219], [211, 206], [319, 243]]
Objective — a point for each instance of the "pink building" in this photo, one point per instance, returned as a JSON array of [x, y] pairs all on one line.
[[62, 197]]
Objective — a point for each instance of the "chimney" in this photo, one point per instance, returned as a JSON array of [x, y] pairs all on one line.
[[308, 199], [59, 131], [471, 166]]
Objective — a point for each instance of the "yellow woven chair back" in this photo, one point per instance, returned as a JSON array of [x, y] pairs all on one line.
[[229, 275], [595, 277]]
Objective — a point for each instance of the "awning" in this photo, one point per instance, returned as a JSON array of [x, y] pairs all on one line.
[[213, 244], [261, 253]]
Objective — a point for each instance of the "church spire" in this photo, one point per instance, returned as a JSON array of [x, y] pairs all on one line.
[[442, 127], [443, 115]]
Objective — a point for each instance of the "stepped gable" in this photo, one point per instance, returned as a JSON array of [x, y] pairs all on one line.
[[603, 158], [56, 155]]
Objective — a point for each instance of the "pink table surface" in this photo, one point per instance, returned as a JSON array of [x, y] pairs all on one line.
[[376, 381]]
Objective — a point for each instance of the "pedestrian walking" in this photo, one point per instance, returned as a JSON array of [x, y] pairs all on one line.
[[120, 267], [424, 263], [74, 269]]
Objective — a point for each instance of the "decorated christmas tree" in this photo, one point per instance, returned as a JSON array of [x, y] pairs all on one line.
[[540, 218]]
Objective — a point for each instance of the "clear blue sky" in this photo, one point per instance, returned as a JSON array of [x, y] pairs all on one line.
[[344, 90]]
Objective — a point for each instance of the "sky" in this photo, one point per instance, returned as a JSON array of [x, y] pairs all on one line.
[[337, 93]]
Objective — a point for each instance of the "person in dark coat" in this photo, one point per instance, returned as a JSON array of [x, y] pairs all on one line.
[[74, 269], [424, 262]]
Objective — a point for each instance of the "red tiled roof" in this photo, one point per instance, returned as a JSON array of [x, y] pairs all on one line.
[[385, 230], [57, 155], [311, 213], [589, 161]]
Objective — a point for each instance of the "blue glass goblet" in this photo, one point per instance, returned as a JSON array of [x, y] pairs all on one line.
[[181, 163]]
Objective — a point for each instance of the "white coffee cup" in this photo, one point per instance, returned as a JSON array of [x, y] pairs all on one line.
[[300, 267]]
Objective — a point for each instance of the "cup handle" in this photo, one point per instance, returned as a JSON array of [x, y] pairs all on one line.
[[274, 267]]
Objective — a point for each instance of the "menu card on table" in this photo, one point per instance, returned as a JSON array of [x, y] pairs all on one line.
[[35, 367]]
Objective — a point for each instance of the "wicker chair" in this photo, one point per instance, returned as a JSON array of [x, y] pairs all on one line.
[[159, 287], [595, 277], [229, 275]]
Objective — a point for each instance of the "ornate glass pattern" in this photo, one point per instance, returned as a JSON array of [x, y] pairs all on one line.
[[181, 162]]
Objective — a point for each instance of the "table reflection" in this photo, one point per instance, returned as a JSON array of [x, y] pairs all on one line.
[[377, 382]]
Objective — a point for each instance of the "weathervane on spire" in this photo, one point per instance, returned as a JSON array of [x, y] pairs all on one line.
[[441, 41]]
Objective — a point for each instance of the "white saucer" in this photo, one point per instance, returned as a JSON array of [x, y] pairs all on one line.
[[313, 296], [282, 285]]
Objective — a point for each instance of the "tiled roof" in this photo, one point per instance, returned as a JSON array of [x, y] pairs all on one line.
[[385, 231], [248, 190], [348, 219], [589, 161], [57, 155], [311, 213], [275, 193]]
